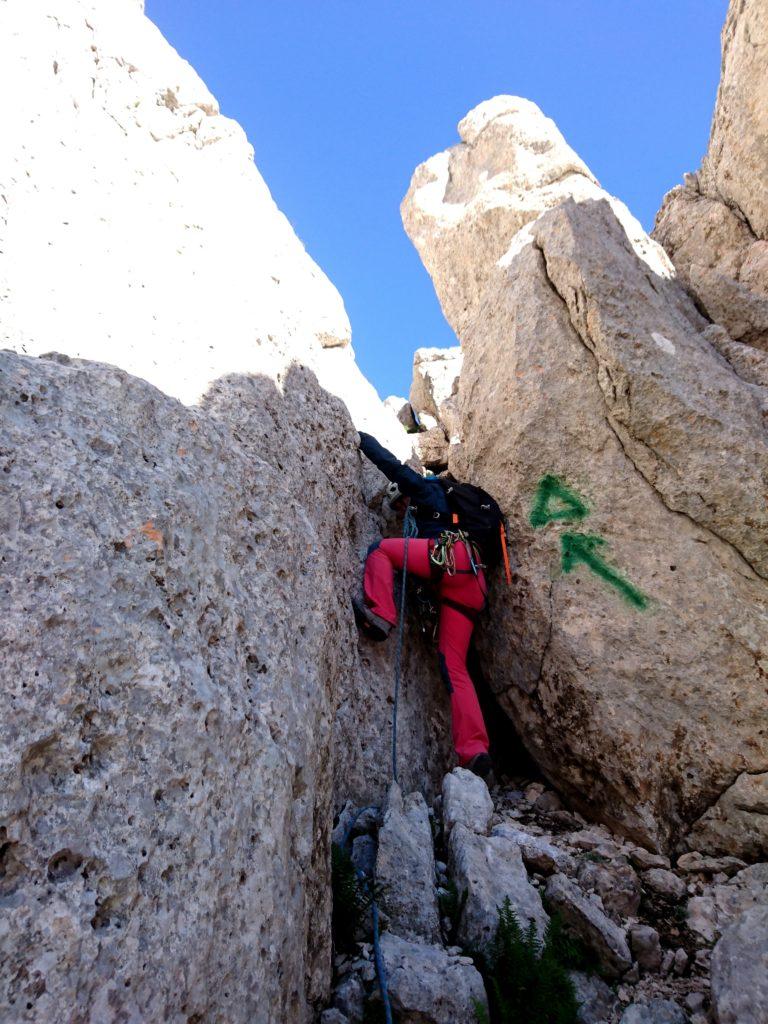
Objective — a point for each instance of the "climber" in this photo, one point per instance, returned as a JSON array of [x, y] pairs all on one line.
[[453, 561]]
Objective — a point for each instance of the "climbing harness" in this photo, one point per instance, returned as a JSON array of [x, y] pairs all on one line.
[[427, 610]]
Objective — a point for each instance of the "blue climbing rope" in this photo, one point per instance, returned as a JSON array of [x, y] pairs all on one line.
[[381, 973], [410, 530]]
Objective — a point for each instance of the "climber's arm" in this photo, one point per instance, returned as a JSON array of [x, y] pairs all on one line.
[[407, 479]]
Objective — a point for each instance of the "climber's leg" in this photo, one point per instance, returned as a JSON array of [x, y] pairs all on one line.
[[383, 559], [469, 733], [468, 591]]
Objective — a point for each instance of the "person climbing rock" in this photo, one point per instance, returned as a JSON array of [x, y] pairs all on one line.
[[457, 532]]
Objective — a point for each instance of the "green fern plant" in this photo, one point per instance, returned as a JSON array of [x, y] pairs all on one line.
[[526, 980], [352, 899]]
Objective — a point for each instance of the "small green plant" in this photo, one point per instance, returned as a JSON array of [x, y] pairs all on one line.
[[352, 899], [526, 980], [596, 858], [680, 914]]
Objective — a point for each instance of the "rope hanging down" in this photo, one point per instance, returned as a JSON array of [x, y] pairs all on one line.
[[409, 530]]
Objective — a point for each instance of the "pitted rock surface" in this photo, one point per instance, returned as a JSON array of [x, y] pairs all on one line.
[[200, 683], [164, 764]]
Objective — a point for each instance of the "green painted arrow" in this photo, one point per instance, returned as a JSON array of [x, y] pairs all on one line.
[[582, 548], [552, 489]]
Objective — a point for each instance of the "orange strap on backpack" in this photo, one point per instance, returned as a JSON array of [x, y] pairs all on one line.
[[505, 553]]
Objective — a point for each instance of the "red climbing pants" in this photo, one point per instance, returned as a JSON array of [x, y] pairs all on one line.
[[455, 631]]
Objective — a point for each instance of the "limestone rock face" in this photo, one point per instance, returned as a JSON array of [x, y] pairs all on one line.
[[466, 801], [186, 697], [405, 867], [740, 970], [465, 205], [429, 986], [588, 921], [631, 462], [164, 757], [432, 448], [435, 384], [140, 207], [490, 869], [715, 226]]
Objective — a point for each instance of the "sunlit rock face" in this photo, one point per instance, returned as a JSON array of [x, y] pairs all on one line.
[[632, 463], [136, 228], [715, 226], [183, 514]]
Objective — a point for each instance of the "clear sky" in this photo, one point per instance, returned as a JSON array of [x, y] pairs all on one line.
[[342, 99]]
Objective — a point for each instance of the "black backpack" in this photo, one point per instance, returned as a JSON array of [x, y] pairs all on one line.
[[475, 511]]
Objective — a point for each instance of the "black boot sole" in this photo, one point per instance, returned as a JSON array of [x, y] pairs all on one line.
[[368, 628]]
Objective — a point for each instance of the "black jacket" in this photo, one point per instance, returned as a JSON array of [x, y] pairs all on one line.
[[428, 501]]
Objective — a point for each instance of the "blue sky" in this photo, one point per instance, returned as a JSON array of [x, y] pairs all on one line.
[[343, 98]]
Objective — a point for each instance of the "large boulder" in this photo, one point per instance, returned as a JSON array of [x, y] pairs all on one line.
[[631, 463], [162, 252], [715, 226]]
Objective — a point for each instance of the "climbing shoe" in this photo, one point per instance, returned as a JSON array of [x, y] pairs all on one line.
[[482, 765], [372, 626]]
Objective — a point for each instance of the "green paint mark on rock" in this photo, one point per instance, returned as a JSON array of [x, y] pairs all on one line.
[[582, 548], [568, 506]]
